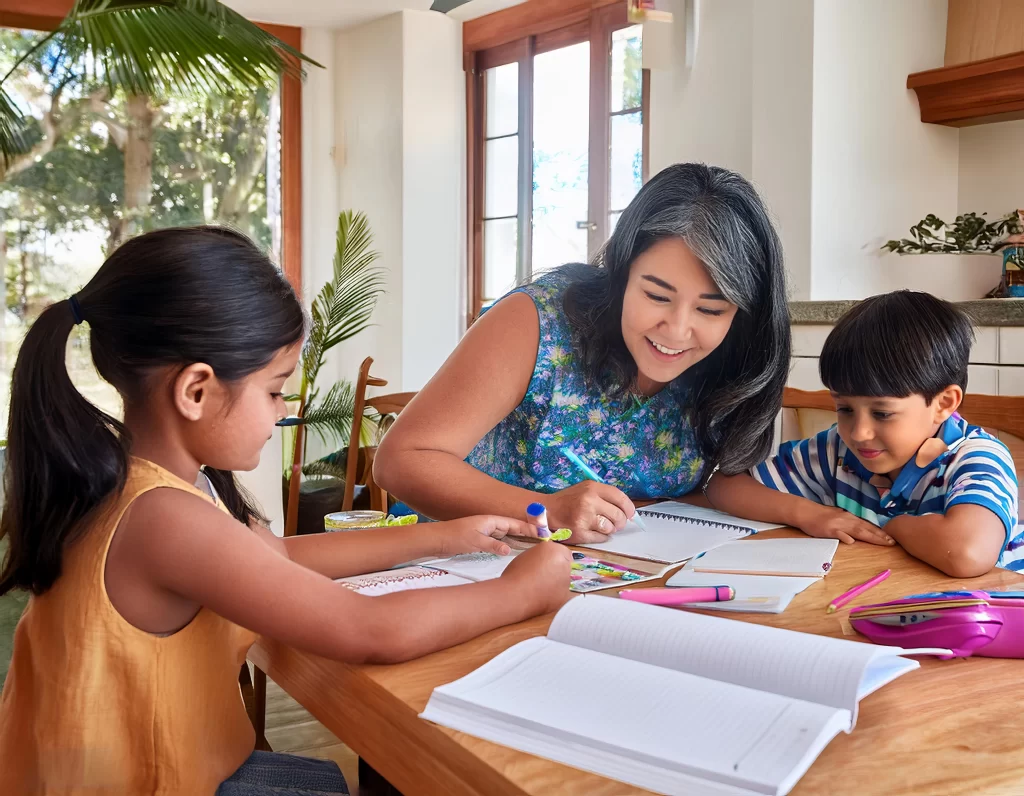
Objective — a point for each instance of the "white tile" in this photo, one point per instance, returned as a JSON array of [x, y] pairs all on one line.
[[1011, 381], [986, 345], [809, 339], [1011, 345], [983, 380], [803, 374]]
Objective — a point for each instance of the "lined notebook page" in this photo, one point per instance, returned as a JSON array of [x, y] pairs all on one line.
[[803, 557], [800, 665], [474, 566], [666, 541], [633, 721]]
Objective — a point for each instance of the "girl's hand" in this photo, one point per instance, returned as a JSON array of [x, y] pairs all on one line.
[[828, 522], [591, 510], [477, 534], [542, 574]]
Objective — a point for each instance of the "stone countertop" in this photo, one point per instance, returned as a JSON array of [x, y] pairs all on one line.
[[984, 312]]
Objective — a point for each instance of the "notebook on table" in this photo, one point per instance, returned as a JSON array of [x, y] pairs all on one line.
[[672, 701], [755, 594], [678, 531], [403, 579], [802, 558], [587, 575]]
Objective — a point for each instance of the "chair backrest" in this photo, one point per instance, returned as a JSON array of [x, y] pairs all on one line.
[[385, 405], [1000, 415]]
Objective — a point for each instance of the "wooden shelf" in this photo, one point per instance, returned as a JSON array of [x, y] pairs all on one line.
[[976, 93]]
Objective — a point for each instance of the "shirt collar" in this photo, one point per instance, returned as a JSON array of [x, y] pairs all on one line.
[[952, 432]]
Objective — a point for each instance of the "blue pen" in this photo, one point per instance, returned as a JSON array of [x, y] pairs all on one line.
[[589, 473]]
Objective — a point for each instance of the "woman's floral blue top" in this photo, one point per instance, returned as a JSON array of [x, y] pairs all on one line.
[[646, 449]]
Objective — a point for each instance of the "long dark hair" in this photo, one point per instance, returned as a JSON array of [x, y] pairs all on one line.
[[736, 391], [172, 297]]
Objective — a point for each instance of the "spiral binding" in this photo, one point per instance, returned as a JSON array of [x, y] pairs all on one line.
[[718, 526]]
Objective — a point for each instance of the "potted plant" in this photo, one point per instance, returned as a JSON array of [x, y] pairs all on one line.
[[970, 233], [341, 310]]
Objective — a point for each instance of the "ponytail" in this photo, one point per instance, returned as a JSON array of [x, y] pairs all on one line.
[[163, 300], [64, 456]]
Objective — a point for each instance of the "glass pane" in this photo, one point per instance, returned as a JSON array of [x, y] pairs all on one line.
[[627, 159], [626, 68], [213, 160], [561, 141], [499, 257], [502, 100], [501, 182], [613, 221]]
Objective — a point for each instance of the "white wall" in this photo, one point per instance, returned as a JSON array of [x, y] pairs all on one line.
[[704, 113], [782, 76], [433, 194], [400, 111], [369, 117], [991, 168], [991, 172], [876, 168], [808, 100]]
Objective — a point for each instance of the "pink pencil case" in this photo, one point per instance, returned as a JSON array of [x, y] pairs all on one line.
[[991, 626]]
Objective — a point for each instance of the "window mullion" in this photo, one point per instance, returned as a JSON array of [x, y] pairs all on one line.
[[524, 251]]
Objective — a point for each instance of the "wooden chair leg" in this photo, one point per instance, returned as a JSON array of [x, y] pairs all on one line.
[[259, 717]]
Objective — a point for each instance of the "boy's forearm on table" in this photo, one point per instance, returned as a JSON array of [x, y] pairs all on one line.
[[745, 497], [941, 541]]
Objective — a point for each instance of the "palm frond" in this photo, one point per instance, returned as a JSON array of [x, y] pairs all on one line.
[[345, 305], [331, 418], [160, 48], [322, 467], [15, 131]]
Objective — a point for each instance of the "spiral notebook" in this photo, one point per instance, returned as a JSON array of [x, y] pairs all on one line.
[[678, 531]]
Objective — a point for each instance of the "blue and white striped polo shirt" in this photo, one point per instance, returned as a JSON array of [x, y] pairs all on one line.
[[975, 468]]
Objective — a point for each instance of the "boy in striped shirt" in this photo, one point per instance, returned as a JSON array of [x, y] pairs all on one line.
[[900, 466]]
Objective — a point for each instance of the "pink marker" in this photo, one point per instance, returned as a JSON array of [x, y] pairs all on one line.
[[679, 596]]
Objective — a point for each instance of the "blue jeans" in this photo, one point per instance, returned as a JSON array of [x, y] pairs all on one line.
[[276, 774]]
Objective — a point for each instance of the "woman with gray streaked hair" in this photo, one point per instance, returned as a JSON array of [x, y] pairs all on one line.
[[661, 362]]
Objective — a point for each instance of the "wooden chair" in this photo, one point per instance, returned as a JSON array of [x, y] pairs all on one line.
[[384, 405], [1000, 415]]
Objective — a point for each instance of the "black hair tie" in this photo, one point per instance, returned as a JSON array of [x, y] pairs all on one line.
[[76, 310]]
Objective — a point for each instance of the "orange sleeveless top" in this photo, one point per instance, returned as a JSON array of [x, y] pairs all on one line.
[[92, 705]]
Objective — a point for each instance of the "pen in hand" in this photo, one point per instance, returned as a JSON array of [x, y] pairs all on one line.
[[584, 468]]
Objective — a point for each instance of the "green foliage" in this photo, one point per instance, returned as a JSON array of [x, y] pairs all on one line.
[[968, 234], [342, 309], [344, 306], [154, 48]]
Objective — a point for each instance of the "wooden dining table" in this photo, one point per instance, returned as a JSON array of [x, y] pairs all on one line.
[[949, 727]]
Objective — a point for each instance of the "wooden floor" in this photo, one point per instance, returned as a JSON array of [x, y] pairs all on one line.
[[291, 729]]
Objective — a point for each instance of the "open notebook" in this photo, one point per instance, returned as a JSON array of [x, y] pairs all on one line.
[[671, 701], [803, 558], [677, 531]]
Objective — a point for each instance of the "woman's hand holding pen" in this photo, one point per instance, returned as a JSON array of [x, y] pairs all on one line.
[[592, 510]]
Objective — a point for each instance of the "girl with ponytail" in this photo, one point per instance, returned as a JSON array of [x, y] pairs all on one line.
[[145, 593]]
